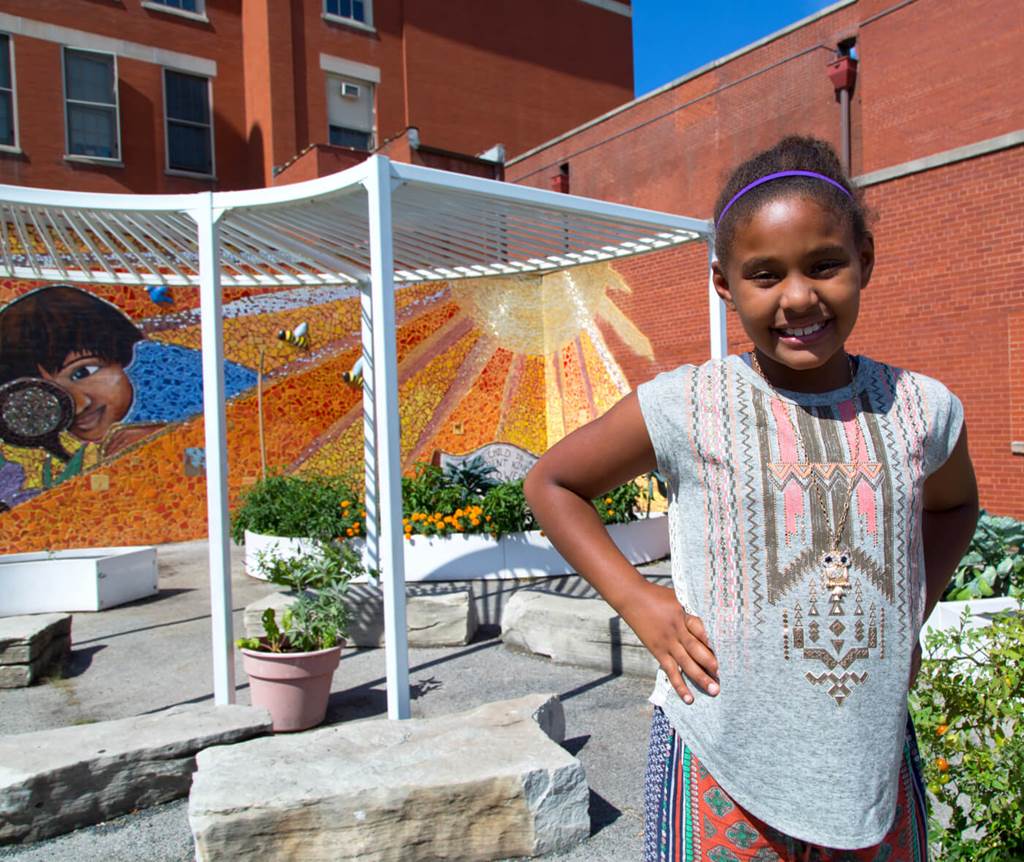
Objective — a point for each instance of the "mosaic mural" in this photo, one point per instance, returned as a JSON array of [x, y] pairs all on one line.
[[101, 432]]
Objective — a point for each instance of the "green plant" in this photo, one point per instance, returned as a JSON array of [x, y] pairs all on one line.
[[505, 505], [968, 707], [316, 621], [428, 491], [332, 564], [994, 562], [472, 477], [618, 506], [298, 506]]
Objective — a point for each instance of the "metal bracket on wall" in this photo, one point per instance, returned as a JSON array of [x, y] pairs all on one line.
[[1017, 447]]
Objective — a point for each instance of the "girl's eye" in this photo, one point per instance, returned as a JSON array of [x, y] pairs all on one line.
[[83, 371], [825, 267]]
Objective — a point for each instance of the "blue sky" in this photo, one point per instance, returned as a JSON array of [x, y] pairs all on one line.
[[673, 37]]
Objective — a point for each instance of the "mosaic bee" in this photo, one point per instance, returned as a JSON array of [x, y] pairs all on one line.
[[354, 377], [298, 337]]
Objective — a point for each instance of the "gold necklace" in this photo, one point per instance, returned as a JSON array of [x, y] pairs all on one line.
[[835, 561]]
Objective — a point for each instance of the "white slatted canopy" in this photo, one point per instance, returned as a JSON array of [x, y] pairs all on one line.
[[375, 225]]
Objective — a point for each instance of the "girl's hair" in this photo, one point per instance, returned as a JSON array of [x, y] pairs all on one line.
[[793, 153], [39, 329]]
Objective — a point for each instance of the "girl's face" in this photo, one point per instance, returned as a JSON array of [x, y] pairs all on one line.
[[101, 390], [794, 278]]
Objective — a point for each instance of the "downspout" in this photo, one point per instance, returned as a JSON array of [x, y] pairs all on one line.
[[843, 73]]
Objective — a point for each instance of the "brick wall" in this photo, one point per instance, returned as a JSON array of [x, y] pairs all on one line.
[[947, 296], [468, 74]]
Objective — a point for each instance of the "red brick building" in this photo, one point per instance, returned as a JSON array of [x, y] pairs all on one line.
[[937, 139], [163, 96]]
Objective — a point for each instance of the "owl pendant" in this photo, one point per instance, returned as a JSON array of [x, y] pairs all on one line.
[[835, 571]]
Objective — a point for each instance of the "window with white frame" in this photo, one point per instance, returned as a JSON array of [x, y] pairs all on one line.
[[8, 136], [360, 11], [195, 6], [350, 112], [188, 123], [90, 104]]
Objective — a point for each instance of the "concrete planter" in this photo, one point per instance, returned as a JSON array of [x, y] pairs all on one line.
[[257, 545], [468, 557], [77, 580]]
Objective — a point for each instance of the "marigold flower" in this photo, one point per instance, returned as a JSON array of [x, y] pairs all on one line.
[[348, 532], [345, 504], [942, 764], [476, 522], [611, 511], [608, 500], [487, 518]]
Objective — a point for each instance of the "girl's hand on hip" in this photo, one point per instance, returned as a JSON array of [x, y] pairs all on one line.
[[675, 638]]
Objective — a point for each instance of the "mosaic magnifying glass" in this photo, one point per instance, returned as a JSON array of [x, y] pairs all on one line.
[[34, 412]]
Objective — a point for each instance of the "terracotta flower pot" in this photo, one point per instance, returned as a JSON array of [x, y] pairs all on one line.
[[294, 686]]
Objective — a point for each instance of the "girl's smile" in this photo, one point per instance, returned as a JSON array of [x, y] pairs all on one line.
[[794, 277]]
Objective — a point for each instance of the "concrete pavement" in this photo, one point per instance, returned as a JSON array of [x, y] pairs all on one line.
[[155, 653]]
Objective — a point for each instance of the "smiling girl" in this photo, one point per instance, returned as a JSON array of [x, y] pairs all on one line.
[[819, 503]]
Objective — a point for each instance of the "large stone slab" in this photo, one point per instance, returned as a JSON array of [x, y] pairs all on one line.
[[53, 781], [489, 783], [579, 631], [30, 645], [434, 618]]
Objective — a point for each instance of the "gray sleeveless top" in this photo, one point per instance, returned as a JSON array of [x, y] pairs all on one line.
[[814, 651]]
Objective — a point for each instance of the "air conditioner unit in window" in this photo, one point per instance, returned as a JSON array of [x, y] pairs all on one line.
[[349, 91]]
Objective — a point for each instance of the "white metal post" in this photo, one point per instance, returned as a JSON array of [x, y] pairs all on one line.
[[372, 520], [214, 414], [716, 311], [389, 467]]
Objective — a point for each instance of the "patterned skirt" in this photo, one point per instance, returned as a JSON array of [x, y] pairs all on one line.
[[688, 817]]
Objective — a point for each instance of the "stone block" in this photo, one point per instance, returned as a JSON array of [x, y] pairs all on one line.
[[31, 645], [579, 631], [434, 618], [54, 781], [484, 784], [53, 656], [23, 638]]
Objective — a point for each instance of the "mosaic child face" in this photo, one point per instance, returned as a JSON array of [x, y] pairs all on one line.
[[101, 390], [795, 277]]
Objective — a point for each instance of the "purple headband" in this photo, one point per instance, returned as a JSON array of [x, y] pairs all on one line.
[[776, 176]]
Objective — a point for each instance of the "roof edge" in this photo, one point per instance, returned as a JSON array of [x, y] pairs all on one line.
[[689, 76]]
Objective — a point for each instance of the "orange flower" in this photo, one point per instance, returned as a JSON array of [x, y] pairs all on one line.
[[348, 532], [609, 500], [357, 526], [941, 729], [345, 504], [611, 511], [476, 522], [487, 518], [942, 764]]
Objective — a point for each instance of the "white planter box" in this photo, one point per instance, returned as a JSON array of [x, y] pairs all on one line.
[[76, 580], [476, 557], [947, 614], [257, 545]]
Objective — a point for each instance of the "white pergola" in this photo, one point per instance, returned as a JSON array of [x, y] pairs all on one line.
[[373, 226]]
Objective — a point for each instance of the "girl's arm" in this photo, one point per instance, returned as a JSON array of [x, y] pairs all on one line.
[[949, 518], [609, 451]]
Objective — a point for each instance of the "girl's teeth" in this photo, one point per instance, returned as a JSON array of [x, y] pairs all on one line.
[[806, 330]]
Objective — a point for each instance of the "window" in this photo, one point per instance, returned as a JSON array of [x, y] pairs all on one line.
[[360, 11], [8, 137], [195, 6], [350, 112], [189, 129], [90, 97]]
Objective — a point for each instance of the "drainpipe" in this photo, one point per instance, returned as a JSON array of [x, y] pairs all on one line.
[[843, 73]]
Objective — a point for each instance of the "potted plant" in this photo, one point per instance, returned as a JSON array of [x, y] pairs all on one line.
[[291, 667]]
